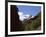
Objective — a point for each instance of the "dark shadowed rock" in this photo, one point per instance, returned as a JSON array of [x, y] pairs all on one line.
[[16, 24]]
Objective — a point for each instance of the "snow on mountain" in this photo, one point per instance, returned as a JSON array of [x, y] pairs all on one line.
[[23, 16]]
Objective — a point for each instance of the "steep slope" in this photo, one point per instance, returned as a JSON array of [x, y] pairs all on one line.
[[34, 23]]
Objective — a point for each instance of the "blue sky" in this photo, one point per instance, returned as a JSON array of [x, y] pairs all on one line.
[[31, 10], [28, 10]]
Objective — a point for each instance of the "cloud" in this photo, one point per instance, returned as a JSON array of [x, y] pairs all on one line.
[[32, 17], [20, 13], [26, 16], [22, 16]]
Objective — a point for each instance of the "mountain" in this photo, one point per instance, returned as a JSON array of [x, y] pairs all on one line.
[[32, 23]]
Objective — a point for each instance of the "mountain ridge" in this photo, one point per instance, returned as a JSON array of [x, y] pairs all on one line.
[[33, 23]]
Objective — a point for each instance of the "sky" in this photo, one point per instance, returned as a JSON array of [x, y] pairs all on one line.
[[25, 11]]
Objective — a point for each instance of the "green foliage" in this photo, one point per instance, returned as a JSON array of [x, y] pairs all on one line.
[[32, 24]]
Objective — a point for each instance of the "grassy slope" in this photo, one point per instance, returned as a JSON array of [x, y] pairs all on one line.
[[33, 24]]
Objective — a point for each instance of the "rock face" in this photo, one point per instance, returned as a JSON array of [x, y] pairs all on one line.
[[15, 22]]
